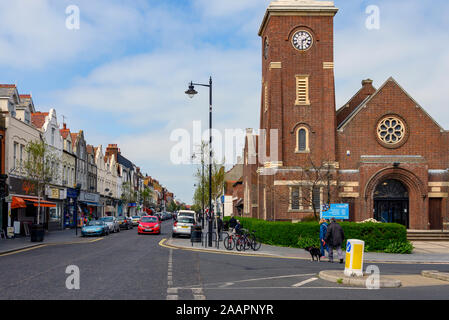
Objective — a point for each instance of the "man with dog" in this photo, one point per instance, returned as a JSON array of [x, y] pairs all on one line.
[[334, 239]]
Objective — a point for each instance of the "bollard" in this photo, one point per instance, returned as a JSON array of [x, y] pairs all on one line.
[[354, 258]]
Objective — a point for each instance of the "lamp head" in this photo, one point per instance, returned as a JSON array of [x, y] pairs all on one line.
[[191, 92]]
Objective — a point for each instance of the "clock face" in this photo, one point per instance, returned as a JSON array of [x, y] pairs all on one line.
[[302, 40]]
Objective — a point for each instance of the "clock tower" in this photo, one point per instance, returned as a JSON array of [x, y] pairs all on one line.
[[298, 92]]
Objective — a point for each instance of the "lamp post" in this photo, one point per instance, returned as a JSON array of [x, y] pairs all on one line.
[[191, 93]]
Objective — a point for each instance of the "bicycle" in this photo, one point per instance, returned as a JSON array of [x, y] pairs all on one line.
[[229, 241]]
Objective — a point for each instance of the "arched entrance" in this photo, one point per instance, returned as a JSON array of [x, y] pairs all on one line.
[[391, 202]]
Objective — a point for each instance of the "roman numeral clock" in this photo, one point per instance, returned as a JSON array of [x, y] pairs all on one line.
[[302, 40]]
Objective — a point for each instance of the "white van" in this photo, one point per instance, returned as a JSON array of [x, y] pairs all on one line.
[[187, 213]]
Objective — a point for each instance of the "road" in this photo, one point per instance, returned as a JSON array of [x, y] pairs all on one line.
[[130, 266]]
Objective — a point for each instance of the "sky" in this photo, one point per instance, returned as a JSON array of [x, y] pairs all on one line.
[[122, 74]]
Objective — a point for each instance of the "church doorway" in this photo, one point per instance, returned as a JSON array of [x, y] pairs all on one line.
[[391, 202]]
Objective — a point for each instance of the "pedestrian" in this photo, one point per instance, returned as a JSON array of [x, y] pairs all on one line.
[[232, 222], [238, 227], [334, 239], [323, 244]]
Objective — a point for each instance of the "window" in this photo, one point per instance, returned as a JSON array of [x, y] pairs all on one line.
[[302, 140], [316, 197], [294, 198], [16, 145], [266, 97], [22, 147], [302, 90], [391, 131]]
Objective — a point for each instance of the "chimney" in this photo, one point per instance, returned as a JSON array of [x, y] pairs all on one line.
[[367, 82], [367, 87]]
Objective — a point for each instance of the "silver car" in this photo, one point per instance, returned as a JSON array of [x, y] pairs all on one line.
[[183, 226], [112, 223]]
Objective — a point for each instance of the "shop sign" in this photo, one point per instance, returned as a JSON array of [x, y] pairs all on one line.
[[23, 187]]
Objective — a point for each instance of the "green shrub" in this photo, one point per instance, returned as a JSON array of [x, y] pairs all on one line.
[[377, 236], [403, 247], [308, 242]]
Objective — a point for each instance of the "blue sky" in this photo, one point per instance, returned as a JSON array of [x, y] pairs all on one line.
[[121, 77]]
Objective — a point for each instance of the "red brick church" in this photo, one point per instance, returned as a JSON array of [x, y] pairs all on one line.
[[380, 152]]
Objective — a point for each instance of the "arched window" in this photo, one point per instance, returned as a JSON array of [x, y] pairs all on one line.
[[302, 140]]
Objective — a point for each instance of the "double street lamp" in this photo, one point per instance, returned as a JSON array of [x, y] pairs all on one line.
[[191, 93]]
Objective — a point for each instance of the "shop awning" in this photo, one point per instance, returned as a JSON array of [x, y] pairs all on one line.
[[91, 204], [17, 203], [41, 203]]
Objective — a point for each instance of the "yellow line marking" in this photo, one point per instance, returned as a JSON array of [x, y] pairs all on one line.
[[49, 244], [23, 250]]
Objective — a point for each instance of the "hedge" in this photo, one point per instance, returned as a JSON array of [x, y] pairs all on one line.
[[377, 236]]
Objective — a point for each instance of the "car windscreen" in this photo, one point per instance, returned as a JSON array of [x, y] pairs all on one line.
[[120, 218], [107, 219], [95, 223], [186, 220], [148, 219]]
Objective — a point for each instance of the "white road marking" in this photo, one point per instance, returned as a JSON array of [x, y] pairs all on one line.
[[304, 282]]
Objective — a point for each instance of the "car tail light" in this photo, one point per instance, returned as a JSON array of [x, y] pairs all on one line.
[[175, 224]]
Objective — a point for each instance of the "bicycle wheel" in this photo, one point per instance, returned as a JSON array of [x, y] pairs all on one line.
[[255, 243], [247, 243], [239, 244], [229, 243]]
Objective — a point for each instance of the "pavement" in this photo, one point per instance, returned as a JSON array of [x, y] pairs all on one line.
[[425, 253], [54, 237]]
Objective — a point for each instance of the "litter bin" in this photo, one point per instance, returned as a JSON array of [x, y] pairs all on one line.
[[37, 233], [354, 258], [196, 234]]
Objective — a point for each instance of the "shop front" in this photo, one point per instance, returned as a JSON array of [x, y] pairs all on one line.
[[25, 207], [71, 205], [55, 217], [89, 206]]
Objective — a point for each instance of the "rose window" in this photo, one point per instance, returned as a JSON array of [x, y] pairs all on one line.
[[391, 130]]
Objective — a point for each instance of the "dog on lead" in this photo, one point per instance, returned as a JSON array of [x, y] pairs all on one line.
[[314, 252]]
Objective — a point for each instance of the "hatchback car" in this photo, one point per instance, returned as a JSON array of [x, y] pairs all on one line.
[[125, 222], [135, 220], [149, 224], [112, 223], [183, 226]]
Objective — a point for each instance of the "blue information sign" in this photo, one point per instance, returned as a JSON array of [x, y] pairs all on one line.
[[339, 211]]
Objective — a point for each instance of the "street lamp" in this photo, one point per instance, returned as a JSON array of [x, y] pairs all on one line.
[[191, 93]]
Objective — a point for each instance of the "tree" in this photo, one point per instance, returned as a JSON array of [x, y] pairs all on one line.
[[146, 195], [201, 195], [41, 167], [316, 180], [129, 195]]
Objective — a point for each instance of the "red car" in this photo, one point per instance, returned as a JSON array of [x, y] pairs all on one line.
[[149, 224]]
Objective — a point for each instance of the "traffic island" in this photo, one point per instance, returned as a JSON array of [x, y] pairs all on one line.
[[338, 276], [444, 276]]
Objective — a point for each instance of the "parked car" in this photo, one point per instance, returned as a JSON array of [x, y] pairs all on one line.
[[149, 224], [183, 226], [112, 223], [187, 213], [95, 228], [135, 220], [125, 222]]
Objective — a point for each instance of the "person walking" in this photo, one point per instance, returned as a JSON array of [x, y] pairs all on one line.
[[323, 244], [334, 239]]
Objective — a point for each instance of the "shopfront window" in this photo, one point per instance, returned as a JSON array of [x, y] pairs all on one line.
[[55, 214]]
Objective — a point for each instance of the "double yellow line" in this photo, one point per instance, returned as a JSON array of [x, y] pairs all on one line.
[[48, 244]]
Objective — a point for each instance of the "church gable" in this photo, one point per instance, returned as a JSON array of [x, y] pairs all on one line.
[[390, 122]]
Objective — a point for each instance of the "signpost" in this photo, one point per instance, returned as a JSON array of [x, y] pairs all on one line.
[[339, 211]]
